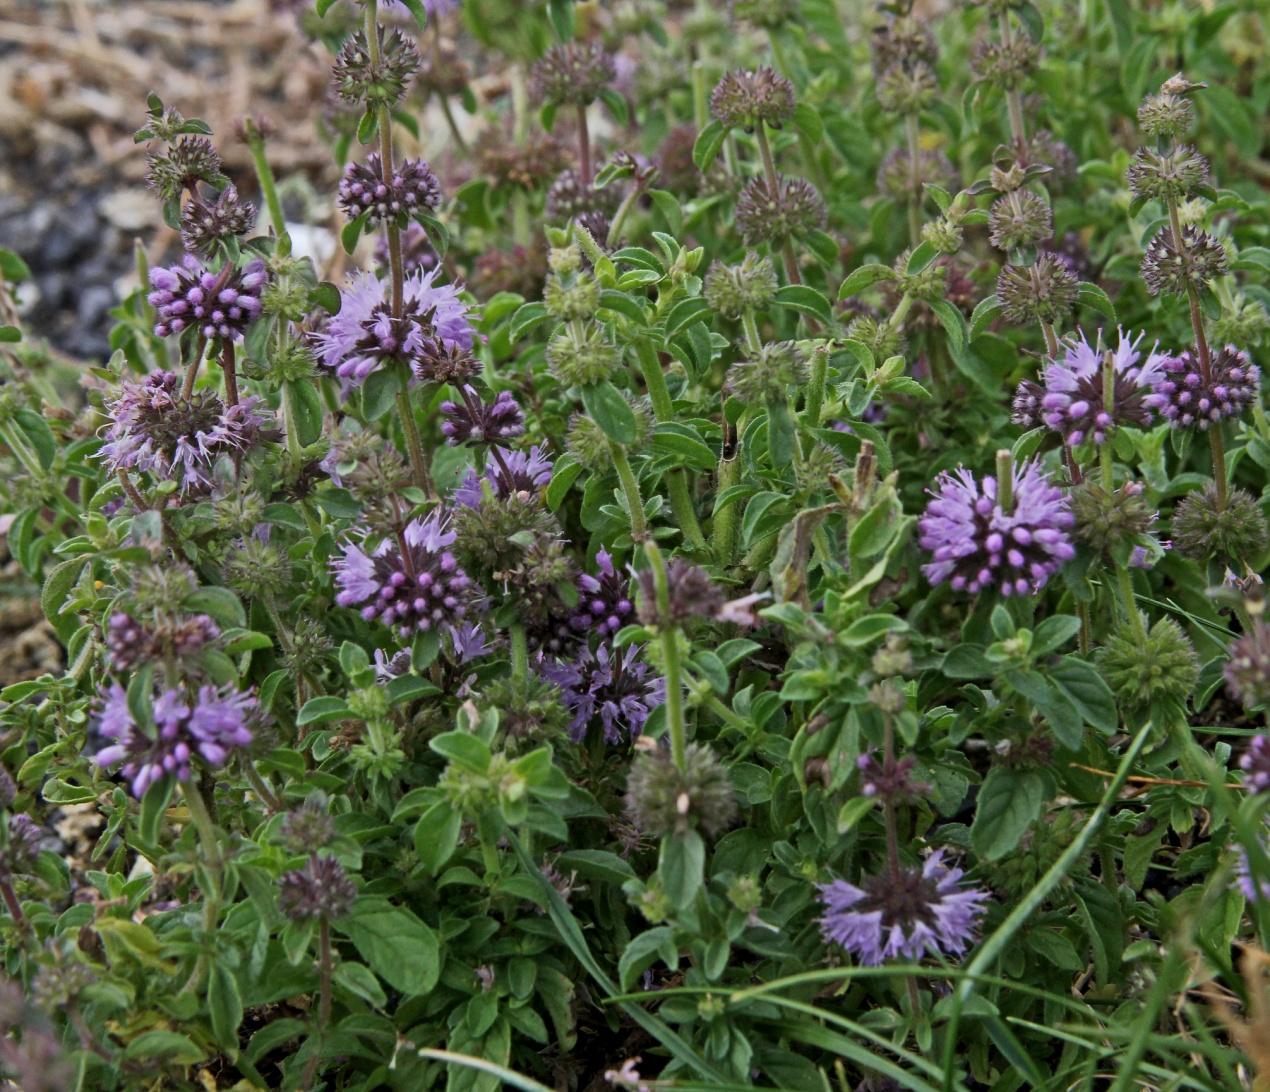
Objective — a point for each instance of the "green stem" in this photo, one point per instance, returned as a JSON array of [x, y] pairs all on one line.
[[520, 651], [268, 187], [623, 211], [414, 445], [1005, 480], [1014, 100], [452, 124], [630, 489], [914, 178], [728, 475], [584, 148], [1125, 582], [773, 188], [816, 388], [664, 410], [261, 787], [202, 820], [669, 637], [753, 343]]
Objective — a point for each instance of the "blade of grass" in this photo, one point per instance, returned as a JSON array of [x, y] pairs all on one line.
[[507, 1076], [992, 947], [571, 933]]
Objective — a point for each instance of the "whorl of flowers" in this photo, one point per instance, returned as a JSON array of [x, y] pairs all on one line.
[[204, 226], [978, 546], [903, 915], [208, 725], [1020, 218], [360, 80], [320, 888], [1207, 524], [189, 161], [221, 304], [1042, 292], [1248, 679], [515, 472], [415, 591], [748, 98], [1184, 398], [364, 335], [154, 428], [130, 643], [610, 684], [572, 74], [766, 217], [768, 374], [899, 177], [1075, 400], [1177, 173], [604, 600], [662, 799], [734, 289], [472, 421], [413, 188], [1163, 669], [1255, 762], [1166, 268]]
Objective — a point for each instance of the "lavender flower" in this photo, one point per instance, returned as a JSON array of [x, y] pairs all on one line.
[[154, 427], [604, 601], [1184, 399], [977, 545], [472, 421], [517, 472], [413, 188], [612, 684], [1252, 890], [130, 643], [208, 725], [1074, 402], [364, 335], [415, 591], [1256, 764], [21, 846], [903, 916], [1248, 669], [319, 889], [220, 304]]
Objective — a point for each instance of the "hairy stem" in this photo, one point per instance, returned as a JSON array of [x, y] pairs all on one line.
[[630, 489], [914, 180], [264, 175], [669, 637]]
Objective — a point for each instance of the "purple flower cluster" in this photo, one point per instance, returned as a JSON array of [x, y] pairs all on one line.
[[364, 335], [1256, 764], [154, 427], [604, 600], [220, 304], [977, 545], [516, 472], [611, 684], [472, 421], [208, 725], [903, 916], [130, 643], [413, 583], [1184, 398], [1074, 401], [363, 192]]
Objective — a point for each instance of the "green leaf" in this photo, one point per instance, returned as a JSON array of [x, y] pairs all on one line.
[[707, 145], [12, 266], [303, 405], [643, 951], [800, 297], [624, 304], [561, 13], [322, 7], [225, 1004], [10, 334], [153, 806], [221, 603], [1009, 802], [322, 709], [685, 313], [864, 277], [685, 445], [360, 981], [417, 10], [57, 587], [379, 393], [606, 406], [1088, 691], [352, 232], [396, 945], [866, 630], [807, 121], [682, 866], [462, 748], [526, 318], [436, 836], [1093, 297], [168, 1046], [984, 315]]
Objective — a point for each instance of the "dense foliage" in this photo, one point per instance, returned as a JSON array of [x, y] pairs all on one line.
[[752, 581]]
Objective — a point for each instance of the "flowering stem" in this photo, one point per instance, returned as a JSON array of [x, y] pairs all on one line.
[[1005, 480], [914, 177], [191, 373], [414, 445], [520, 651], [202, 820], [15, 907], [584, 148], [664, 410], [451, 123], [148, 315], [1051, 340], [753, 343], [630, 489], [1013, 100], [1201, 351], [1130, 605], [227, 365], [773, 189], [264, 174], [130, 491], [261, 788], [669, 636], [324, 999], [728, 475], [623, 211], [816, 388]]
